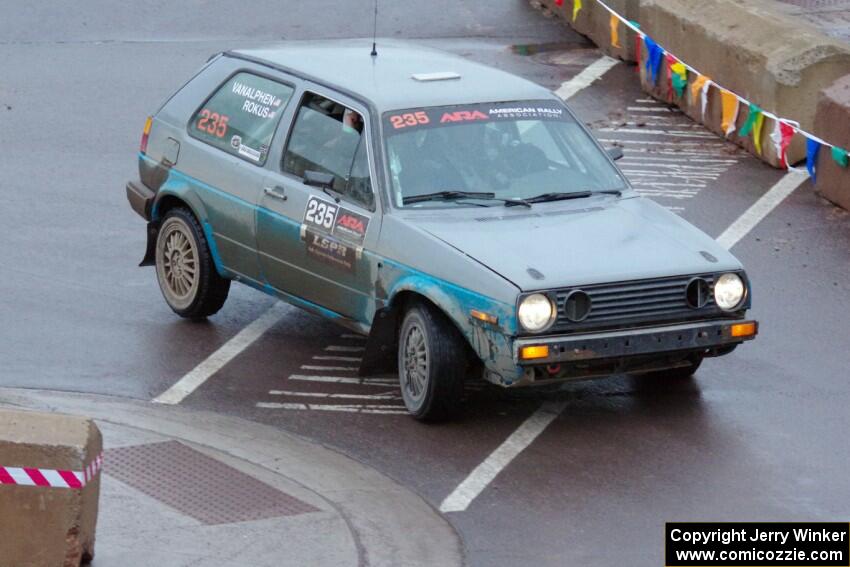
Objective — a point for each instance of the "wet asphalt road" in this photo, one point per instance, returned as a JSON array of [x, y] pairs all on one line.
[[757, 435]]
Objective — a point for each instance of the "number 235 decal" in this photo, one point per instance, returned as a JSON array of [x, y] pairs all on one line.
[[320, 214]]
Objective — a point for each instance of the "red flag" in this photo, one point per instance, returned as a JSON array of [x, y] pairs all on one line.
[[670, 61], [638, 42], [559, 2]]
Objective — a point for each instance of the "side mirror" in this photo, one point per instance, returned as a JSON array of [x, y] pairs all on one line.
[[319, 179], [615, 153]]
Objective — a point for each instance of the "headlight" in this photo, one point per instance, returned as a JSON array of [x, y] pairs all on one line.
[[536, 312], [729, 291]]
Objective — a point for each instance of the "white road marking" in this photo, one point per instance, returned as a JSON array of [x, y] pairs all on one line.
[[650, 109], [761, 208], [675, 133], [364, 408], [478, 479], [339, 358], [586, 77], [328, 368], [384, 396], [339, 348], [352, 336], [344, 380], [225, 353]]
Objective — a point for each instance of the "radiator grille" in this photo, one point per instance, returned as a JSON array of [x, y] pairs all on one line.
[[644, 301]]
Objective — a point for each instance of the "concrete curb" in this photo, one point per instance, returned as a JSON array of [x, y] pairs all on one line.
[[748, 46], [393, 525]]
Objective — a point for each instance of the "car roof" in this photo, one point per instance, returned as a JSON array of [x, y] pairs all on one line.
[[386, 80]]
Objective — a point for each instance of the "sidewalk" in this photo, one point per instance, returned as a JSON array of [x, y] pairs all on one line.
[[182, 487], [832, 17]]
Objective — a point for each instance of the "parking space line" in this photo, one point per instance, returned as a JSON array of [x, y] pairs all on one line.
[[225, 353], [338, 348], [344, 380], [478, 479], [329, 368], [761, 208], [338, 358], [586, 77], [334, 396]]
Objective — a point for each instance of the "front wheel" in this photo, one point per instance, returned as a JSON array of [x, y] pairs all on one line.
[[187, 276], [431, 363]]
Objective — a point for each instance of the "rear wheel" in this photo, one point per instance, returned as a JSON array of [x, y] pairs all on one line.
[[431, 363], [187, 276]]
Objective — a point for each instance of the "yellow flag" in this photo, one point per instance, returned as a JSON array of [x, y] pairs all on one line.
[[615, 31], [697, 85], [730, 111], [576, 8], [757, 132]]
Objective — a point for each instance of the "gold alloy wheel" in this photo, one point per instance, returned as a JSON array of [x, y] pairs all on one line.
[[177, 264]]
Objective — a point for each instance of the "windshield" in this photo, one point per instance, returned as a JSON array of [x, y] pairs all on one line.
[[515, 150]]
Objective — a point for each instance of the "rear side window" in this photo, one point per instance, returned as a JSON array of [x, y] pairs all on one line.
[[241, 117]]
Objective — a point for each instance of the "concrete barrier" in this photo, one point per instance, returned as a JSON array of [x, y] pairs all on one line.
[[747, 46], [832, 123], [49, 488]]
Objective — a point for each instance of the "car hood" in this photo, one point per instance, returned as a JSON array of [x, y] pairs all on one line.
[[597, 240]]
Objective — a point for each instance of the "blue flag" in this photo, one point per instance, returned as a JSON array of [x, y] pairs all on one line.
[[654, 56], [812, 149]]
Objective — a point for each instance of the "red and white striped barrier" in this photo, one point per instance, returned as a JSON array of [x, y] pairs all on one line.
[[24, 476]]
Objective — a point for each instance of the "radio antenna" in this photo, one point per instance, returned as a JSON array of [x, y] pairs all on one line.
[[375, 32]]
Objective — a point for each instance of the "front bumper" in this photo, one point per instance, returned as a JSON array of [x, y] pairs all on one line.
[[661, 340]]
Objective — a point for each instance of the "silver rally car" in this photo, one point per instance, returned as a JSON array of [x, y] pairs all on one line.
[[459, 216]]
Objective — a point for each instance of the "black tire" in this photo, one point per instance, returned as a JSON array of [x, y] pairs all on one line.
[[192, 294], [680, 373], [431, 391]]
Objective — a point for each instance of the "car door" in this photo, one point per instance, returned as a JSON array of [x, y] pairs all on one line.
[[223, 157], [313, 241]]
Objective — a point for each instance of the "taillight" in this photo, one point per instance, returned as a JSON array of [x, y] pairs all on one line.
[[143, 147]]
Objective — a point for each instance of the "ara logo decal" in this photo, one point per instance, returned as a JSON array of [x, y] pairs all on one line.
[[351, 226], [463, 116]]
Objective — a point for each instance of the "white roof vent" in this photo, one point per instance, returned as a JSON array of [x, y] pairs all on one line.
[[427, 77]]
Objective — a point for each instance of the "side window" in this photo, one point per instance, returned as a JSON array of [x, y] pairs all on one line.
[[328, 137], [241, 117]]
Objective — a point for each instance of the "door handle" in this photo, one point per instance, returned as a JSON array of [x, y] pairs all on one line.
[[275, 192]]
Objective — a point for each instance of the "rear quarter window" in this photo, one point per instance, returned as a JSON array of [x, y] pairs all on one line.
[[241, 116]]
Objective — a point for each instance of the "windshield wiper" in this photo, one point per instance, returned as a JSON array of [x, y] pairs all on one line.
[[563, 196], [455, 195], [546, 197]]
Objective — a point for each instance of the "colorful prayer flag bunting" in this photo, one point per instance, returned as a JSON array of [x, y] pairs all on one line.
[[729, 104], [576, 8], [615, 31], [559, 2], [812, 151], [839, 155]]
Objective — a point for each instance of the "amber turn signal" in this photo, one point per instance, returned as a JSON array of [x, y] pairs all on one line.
[[143, 146], [535, 351], [744, 329], [481, 316]]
